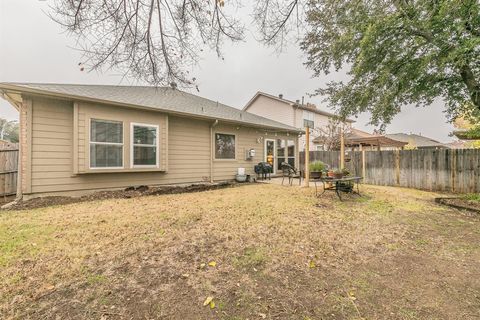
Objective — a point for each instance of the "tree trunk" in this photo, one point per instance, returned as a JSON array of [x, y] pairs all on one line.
[[472, 84]]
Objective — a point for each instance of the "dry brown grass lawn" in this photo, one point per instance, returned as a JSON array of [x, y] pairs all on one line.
[[279, 253]]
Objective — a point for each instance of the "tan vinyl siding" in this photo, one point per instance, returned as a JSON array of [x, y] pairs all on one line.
[[273, 109], [51, 142], [320, 121], [25, 138], [185, 153]]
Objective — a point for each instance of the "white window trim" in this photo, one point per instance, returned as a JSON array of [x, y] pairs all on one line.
[[132, 145], [215, 148], [90, 142]]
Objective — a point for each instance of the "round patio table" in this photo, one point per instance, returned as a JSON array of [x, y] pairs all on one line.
[[338, 185]]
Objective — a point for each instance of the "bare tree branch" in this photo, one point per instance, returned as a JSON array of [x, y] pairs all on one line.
[[121, 34]]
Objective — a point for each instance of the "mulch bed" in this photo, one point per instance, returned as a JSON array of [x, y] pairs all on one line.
[[459, 203], [130, 192]]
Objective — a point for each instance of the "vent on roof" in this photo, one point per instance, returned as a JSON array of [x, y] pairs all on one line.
[[280, 96]]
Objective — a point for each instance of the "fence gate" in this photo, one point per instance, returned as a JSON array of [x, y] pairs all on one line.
[[8, 171]]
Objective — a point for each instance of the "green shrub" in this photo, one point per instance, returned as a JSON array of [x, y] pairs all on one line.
[[317, 166], [472, 196]]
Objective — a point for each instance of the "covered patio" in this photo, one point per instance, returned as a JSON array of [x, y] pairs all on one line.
[[362, 140]]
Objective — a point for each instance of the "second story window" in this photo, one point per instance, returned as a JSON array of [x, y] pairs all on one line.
[[308, 119]]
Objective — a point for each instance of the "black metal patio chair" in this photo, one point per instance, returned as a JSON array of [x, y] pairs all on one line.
[[290, 172]]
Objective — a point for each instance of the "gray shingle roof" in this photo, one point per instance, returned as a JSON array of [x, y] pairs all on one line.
[[417, 140], [158, 98]]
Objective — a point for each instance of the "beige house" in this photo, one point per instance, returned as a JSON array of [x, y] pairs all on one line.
[[295, 114], [80, 138]]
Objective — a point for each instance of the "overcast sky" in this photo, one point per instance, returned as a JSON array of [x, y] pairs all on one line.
[[34, 49]]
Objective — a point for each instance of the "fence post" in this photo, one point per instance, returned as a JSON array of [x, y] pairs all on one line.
[[307, 156], [363, 166], [397, 167], [454, 167], [342, 150]]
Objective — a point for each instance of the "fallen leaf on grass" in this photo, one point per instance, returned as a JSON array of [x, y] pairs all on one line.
[[312, 265], [49, 287], [212, 263], [207, 301], [351, 295]]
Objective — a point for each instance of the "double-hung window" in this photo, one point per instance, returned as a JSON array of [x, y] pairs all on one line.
[[106, 144], [308, 119], [144, 148]]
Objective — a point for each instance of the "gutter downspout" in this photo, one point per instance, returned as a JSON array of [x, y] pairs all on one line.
[[213, 125]]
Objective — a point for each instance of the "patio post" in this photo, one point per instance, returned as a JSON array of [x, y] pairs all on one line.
[[342, 149], [307, 156], [363, 163]]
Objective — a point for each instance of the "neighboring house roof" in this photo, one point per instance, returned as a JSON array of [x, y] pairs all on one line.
[[417, 140], [457, 144], [291, 103], [356, 133], [163, 99], [358, 137]]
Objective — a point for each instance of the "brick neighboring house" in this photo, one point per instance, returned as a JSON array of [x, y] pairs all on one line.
[[292, 113]]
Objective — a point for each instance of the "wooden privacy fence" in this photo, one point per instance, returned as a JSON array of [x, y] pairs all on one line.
[[8, 170], [453, 170]]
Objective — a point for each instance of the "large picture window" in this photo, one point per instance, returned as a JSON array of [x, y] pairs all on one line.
[[144, 148], [106, 144], [224, 146]]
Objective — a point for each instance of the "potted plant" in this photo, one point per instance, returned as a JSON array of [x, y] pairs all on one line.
[[330, 173], [338, 174], [345, 172], [316, 168]]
